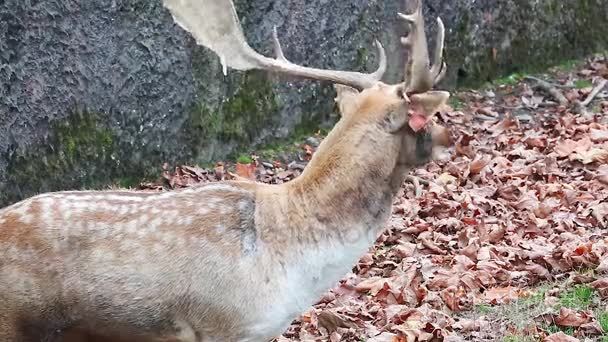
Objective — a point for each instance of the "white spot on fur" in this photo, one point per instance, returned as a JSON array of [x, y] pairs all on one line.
[[158, 247], [46, 210], [127, 198], [133, 209], [166, 238], [220, 228], [143, 219], [243, 205], [163, 195], [185, 220], [66, 210], [154, 224], [22, 211], [123, 210], [217, 186], [131, 227]]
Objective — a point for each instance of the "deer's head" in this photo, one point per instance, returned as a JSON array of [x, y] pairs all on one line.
[[403, 109]]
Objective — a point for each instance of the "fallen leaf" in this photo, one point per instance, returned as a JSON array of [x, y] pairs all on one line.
[[560, 337], [571, 318], [501, 295], [246, 170], [598, 135], [601, 286]]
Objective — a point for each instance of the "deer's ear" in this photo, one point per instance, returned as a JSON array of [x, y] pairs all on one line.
[[347, 99]]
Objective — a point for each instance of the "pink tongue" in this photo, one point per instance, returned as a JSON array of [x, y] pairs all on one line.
[[417, 122]]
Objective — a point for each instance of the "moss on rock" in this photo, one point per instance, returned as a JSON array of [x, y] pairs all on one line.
[[236, 120], [80, 153]]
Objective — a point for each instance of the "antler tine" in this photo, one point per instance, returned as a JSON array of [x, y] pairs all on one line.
[[418, 76], [354, 79], [278, 51], [439, 68], [215, 24]]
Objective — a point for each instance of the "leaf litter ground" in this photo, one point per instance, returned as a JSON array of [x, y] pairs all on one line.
[[510, 222]]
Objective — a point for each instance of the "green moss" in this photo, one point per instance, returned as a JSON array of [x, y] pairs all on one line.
[[244, 159], [81, 137], [80, 153], [522, 57], [362, 58], [237, 120]]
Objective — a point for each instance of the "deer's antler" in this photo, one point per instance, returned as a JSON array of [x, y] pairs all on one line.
[[418, 76], [215, 24]]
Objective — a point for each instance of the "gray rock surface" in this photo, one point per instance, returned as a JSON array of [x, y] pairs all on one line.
[[94, 92]]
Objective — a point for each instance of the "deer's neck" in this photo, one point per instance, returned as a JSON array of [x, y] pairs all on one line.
[[350, 183]]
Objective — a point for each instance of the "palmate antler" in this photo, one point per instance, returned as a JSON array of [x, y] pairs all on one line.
[[418, 77], [214, 24]]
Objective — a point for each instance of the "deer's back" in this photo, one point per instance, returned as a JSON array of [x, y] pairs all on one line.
[[73, 257]]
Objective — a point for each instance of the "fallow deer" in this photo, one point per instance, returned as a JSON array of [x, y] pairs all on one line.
[[228, 261]]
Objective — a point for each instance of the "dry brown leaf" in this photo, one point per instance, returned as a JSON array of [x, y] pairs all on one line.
[[560, 337], [245, 170], [598, 135], [386, 337], [569, 146], [502, 295], [602, 173], [594, 155], [571, 318], [601, 286], [331, 320], [477, 165], [373, 285]]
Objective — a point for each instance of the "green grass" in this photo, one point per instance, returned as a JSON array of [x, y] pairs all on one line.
[[568, 65], [552, 329], [483, 308], [520, 313], [582, 83], [518, 338], [455, 102], [578, 297], [512, 79], [603, 320]]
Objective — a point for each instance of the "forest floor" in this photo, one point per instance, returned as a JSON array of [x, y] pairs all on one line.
[[506, 238]]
